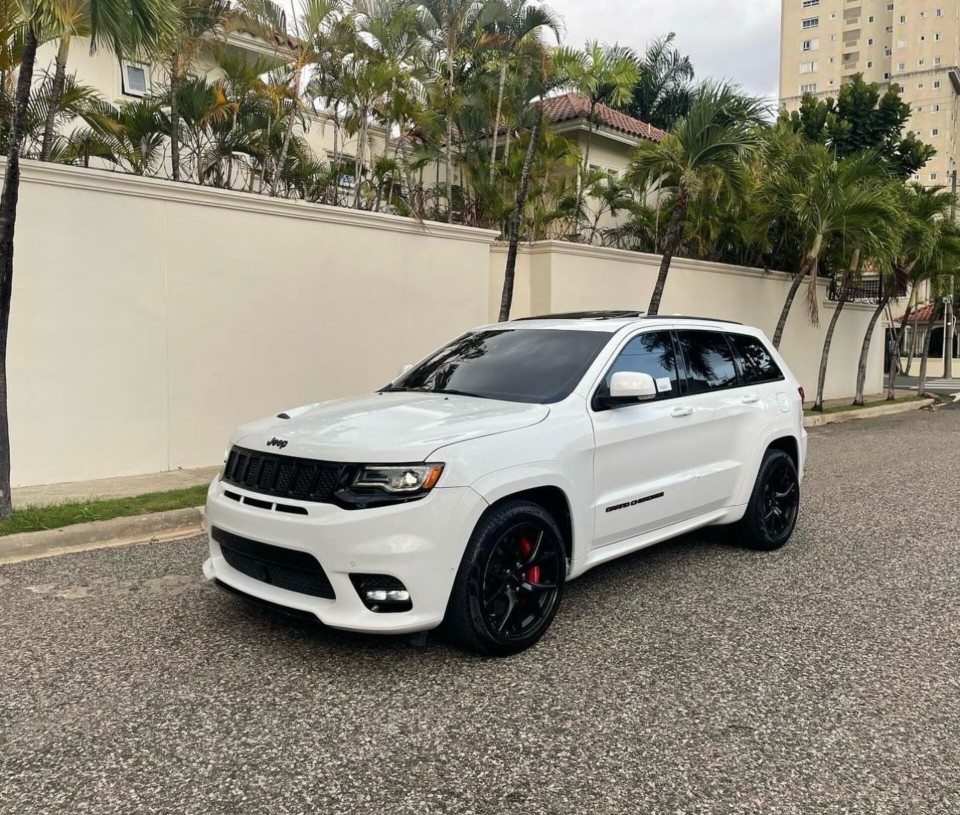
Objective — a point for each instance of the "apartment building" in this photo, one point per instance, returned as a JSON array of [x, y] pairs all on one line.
[[915, 43]]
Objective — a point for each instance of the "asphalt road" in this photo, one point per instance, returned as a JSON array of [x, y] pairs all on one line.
[[690, 678]]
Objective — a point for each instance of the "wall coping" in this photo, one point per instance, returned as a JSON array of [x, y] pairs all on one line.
[[59, 175], [689, 264]]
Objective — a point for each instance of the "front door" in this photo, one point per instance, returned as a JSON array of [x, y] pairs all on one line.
[[645, 458]]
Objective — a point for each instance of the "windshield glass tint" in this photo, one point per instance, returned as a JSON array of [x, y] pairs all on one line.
[[517, 365]]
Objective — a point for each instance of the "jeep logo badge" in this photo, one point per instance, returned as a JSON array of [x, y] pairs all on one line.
[[275, 442]]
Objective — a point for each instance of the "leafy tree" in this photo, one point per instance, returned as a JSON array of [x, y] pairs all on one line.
[[664, 90], [715, 139], [861, 118], [120, 21]]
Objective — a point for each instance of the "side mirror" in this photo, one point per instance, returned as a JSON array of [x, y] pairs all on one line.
[[632, 385]]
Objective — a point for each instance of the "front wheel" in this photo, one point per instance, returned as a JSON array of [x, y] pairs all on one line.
[[774, 504], [510, 581]]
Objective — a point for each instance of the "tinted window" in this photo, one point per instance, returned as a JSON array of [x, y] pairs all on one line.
[[756, 363], [652, 353], [518, 365], [708, 360]]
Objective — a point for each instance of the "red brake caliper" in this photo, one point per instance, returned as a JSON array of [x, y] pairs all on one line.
[[533, 573]]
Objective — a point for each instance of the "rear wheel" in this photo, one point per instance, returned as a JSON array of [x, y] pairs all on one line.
[[510, 582], [774, 504]]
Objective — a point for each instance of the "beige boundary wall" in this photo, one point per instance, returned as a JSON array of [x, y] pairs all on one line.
[[151, 318], [553, 276]]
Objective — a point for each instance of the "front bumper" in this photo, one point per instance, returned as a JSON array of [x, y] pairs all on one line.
[[420, 543]]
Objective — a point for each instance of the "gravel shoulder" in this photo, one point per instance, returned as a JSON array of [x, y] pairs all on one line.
[[693, 677]]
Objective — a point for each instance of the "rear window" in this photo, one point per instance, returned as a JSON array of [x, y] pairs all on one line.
[[708, 360], [756, 363], [538, 365]]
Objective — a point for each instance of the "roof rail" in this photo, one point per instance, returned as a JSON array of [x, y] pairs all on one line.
[[584, 315], [688, 317]]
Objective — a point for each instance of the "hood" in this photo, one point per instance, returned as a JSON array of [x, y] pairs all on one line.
[[387, 427]]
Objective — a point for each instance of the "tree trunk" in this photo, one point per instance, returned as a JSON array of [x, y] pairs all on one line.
[[916, 322], [895, 356], [809, 267], [449, 155], [922, 390], [825, 355], [509, 273], [56, 94], [288, 134], [496, 120], [175, 120], [864, 352], [8, 219], [670, 245]]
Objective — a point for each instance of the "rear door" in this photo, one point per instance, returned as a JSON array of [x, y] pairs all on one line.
[[727, 415], [645, 458]]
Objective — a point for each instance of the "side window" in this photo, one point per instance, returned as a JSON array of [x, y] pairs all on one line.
[[650, 353], [756, 363], [709, 361]]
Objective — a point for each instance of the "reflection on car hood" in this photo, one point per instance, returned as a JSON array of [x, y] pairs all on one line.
[[386, 427]]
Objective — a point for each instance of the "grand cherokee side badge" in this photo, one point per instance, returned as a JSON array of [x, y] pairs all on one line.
[[275, 442]]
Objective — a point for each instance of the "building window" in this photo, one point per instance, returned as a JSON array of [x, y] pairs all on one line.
[[810, 22], [903, 19], [811, 88], [807, 67], [938, 37], [933, 176], [935, 108], [937, 61], [919, 108], [886, 75], [136, 78], [923, 38], [919, 86], [889, 6], [935, 132], [809, 3], [887, 52], [889, 29], [923, 14], [869, 63], [809, 45], [870, 19], [920, 63], [901, 43], [936, 83], [939, 12], [833, 15], [869, 40], [901, 66]]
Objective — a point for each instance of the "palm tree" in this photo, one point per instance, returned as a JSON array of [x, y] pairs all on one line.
[[517, 29], [716, 138], [130, 21], [199, 20], [450, 24], [664, 91], [602, 74], [71, 20], [824, 200]]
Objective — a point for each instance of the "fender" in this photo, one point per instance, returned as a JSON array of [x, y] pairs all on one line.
[[503, 483], [770, 433]]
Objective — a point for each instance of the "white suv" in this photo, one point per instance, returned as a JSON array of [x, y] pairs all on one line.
[[513, 459]]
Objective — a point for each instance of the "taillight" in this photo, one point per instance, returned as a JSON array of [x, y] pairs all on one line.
[[800, 391]]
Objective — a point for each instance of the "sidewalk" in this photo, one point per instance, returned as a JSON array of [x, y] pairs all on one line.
[[122, 487], [872, 397]]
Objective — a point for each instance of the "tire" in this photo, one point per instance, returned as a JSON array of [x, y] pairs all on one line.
[[774, 504], [510, 581]]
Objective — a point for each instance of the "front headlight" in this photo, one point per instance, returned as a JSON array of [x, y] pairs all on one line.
[[399, 479]]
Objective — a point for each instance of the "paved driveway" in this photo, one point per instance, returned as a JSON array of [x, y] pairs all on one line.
[[690, 678]]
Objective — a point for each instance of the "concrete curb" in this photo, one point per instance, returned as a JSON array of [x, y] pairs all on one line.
[[170, 525], [865, 413]]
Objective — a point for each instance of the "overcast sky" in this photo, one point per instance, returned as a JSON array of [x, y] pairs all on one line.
[[732, 39]]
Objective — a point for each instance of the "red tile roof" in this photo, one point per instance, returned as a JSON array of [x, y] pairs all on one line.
[[573, 106], [923, 314]]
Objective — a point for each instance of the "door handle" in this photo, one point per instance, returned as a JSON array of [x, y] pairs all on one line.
[[678, 412], [750, 398]]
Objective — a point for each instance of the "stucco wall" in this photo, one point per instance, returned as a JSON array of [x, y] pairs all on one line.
[[559, 277], [150, 318]]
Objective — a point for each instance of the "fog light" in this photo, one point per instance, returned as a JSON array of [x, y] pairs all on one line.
[[388, 596]]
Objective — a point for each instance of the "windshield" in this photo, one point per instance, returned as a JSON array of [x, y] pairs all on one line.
[[517, 365]]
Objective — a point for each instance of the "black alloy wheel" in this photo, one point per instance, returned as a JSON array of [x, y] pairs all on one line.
[[510, 582], [774, 504]]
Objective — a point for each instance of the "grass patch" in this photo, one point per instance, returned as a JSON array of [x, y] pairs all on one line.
[[845, 408], [34, 519]]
